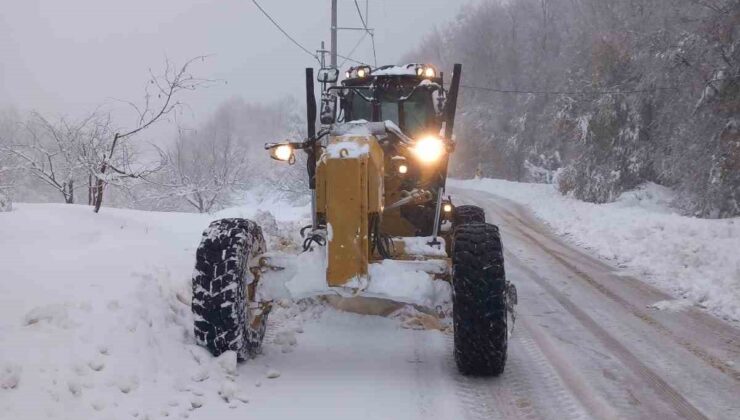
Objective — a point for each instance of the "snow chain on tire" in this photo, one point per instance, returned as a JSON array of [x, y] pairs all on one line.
[[479, 300], [220, 304]]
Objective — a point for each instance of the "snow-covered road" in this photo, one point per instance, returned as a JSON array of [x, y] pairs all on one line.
[[591, 335], [95, 324]]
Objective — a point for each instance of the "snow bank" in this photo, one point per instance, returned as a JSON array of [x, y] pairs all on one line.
[[697, 259], [95, 323], [95, 317]]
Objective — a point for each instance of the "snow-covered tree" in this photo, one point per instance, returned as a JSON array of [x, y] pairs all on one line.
[[161, 98], [609, 93], [209, 167]]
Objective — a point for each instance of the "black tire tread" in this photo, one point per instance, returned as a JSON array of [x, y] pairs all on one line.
[[468, 214], [219, 303], [479, 300]]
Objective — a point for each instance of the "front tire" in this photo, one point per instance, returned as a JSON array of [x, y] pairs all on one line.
[[220, 307], [479, 300]]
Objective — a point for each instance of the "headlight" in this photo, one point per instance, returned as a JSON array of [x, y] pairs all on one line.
[[429, 149], [283, 152], [426, 72]]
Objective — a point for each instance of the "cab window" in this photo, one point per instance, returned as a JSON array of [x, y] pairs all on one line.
[[418, 113], [361, 109]]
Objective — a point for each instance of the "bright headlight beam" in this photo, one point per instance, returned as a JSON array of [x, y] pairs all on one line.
[[429, 149], [284, 152]]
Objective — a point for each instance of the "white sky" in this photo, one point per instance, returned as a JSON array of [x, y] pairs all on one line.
[[69, 56]]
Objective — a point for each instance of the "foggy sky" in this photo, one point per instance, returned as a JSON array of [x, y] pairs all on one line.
[[69, 56]]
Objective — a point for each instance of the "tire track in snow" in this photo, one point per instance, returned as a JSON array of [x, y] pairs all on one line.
[[676, 400], [517, 223], [530, 387], [670, 396], [547, 379]]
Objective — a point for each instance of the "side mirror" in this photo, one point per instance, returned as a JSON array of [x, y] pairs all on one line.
[[328, 75], [281, 151], [328, 109]]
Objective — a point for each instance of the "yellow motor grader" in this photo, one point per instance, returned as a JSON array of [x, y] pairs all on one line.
[[381, 224]]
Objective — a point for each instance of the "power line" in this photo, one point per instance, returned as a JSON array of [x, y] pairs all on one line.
[[267, 15], [375, 57], [353, 50], [351, 59], [368, 31], [357, 6]]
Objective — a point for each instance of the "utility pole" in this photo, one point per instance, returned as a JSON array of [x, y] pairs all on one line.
[[334, 33]]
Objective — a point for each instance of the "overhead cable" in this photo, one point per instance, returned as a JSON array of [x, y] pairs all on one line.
[[267, 15]]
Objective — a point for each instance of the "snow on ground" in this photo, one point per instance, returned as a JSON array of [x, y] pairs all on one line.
[[695, 259], [95, 323]]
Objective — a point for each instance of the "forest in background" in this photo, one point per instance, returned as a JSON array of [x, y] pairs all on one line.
[[622, 92]]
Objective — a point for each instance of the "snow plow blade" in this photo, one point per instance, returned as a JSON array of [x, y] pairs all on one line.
[[423, 282]]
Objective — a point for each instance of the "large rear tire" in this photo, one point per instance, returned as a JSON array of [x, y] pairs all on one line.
[[479, 300], [220, 305], [468, 214]]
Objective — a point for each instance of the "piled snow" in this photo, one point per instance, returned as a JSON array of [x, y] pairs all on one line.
[[404, 70], [304, 275], [95, 323], [358, 128], [419, 245], [95, 317], [695, 259], [410, 282], [296, 275]]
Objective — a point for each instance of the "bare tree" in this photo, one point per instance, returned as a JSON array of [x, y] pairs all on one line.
[[8, 162], [67, 155], [160, 100], [48, 152], [206, 167]]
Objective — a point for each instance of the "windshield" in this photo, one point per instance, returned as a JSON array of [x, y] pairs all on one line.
[[418, 113], [413, 116], [361, 109]]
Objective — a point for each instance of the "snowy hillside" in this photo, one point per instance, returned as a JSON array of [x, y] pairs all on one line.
[[698, 259]]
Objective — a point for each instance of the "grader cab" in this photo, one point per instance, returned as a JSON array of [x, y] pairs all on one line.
[[381, 224]]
